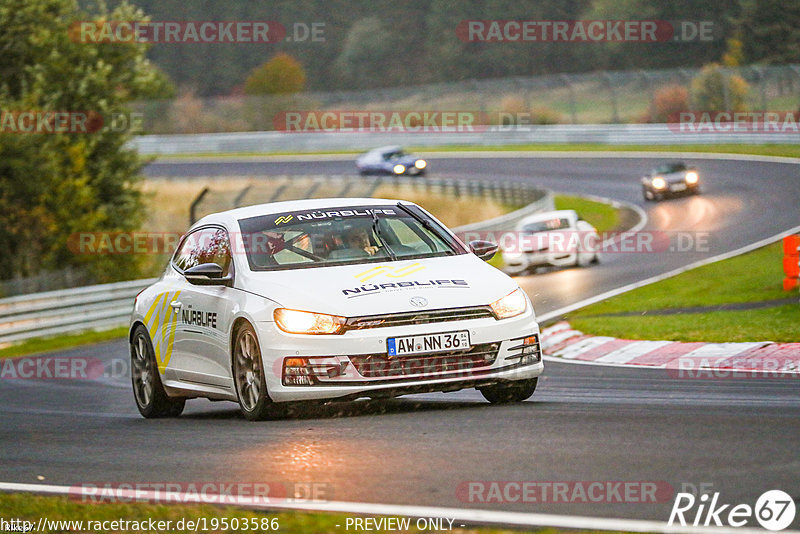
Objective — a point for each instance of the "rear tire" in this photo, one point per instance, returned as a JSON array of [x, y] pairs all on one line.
[[508, 393], [148, 391], [249, 379]]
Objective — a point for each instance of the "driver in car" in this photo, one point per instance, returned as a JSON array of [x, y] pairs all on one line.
[[357, 238]]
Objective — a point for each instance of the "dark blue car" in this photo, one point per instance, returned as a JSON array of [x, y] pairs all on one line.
[[390, 160]]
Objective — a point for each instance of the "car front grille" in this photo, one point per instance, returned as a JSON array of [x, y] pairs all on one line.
[[418, 317], [425, 365]]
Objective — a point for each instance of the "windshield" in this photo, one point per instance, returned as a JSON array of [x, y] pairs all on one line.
[[394, 155], [669, 168], [546, 226], [340, 236]]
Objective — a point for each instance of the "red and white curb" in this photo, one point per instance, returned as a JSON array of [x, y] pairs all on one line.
[[560, 341]]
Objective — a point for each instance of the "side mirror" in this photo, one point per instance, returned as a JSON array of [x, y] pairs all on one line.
[[485, 250], [207, 274]]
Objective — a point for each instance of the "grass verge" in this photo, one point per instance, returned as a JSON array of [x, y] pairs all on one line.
[[33, 507], [604, 217], [753, 277], [67, 341]]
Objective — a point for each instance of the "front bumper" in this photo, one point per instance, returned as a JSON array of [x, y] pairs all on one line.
[[676, 189], [360, 366], [523, 261]]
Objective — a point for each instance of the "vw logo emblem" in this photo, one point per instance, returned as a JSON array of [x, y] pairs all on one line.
[[418, 302]]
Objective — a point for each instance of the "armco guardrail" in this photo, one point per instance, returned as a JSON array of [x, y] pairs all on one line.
[[612, 134], [110, 305], [68, 310]]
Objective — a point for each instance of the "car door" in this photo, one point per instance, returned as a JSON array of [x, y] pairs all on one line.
[[204, 312], [161, 320]]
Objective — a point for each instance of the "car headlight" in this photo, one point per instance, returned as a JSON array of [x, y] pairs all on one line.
[[399, 169], [511, 305], [691, 177], [420, 164], [303, 322], [659, 182]]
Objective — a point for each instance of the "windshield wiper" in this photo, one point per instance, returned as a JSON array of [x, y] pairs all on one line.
[[428, 225], [377, 229]]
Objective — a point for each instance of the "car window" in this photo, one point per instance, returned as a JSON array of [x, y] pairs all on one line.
[[205, 245], [557, 223], [340, 236], [669, 168], [410, 234]]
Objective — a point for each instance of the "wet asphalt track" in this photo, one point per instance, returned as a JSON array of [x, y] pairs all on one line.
[[585, 423]]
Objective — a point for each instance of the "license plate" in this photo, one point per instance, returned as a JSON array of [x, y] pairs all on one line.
[[677, 187], [428, 343]]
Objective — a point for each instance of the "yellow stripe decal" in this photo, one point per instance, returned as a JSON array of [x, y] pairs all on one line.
[[151, 310], [172, 327]]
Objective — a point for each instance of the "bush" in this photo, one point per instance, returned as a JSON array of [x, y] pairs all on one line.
[[282, 74], [709, 87], [668, 102], [514, 109]]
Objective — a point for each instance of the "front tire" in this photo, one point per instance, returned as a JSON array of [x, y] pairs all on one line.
[[148, 391], [506, 393], [249, 379]]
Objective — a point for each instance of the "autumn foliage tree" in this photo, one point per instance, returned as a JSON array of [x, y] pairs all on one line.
[[282, 74], [55, 186]]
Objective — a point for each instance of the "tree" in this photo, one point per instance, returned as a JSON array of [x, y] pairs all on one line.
[[282, 74], [368, 55], [769, 31], [668, 102], [715, 90], [54, 186]]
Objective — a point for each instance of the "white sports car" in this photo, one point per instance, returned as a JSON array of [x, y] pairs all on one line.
[[328, 299], [551, 239]]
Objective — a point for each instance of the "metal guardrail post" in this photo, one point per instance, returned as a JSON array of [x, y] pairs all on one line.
[[195, 203], [613, 96], [313, 189], [237, 202], [573, 108], [346, 189], [278, 192], [377, 182]]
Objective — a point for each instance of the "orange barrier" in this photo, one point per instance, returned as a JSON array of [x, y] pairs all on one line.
[[791, 262]]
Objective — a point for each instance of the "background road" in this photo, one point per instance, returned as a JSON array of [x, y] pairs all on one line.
[[584, 423]]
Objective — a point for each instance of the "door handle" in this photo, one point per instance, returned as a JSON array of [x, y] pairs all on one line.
[[176, 305]]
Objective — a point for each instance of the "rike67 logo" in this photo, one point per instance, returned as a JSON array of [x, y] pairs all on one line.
[[774, 510]]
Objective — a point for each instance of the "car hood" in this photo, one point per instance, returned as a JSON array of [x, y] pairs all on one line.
[[674, 176], [385, 287]]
